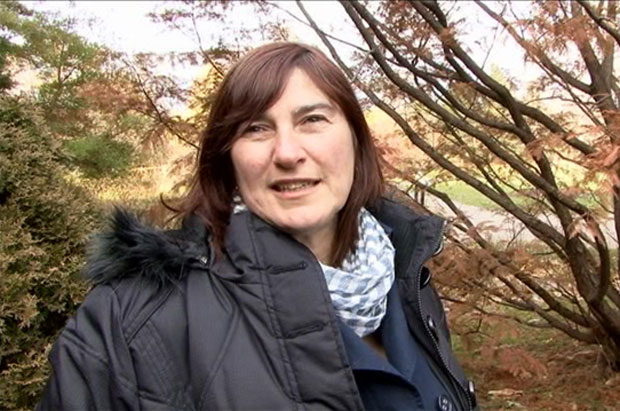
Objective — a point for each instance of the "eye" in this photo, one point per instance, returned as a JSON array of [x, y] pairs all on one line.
[[314, 118], [254, 128]]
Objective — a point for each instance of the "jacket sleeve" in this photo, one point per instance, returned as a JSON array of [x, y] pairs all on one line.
[[91, 363]]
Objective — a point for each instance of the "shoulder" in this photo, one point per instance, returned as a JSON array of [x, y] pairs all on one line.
[[135, 267], [116, 309]]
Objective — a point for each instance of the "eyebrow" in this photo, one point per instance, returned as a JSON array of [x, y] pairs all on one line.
[[301, 110], [311, 107]]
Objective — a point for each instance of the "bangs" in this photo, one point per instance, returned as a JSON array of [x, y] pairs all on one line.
[[253, 89]]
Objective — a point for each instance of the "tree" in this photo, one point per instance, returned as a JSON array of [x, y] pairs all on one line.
[[64, 61], [511, 146], [44, 222], [105, 106], [5, 78], [185, 16]]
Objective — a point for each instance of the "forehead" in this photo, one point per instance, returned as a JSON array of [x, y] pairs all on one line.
[[301, 91]]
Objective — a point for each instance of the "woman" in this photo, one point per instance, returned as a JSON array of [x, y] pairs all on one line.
[[291, 285]]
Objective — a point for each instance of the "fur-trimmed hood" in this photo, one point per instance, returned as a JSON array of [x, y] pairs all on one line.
[[131, 247]]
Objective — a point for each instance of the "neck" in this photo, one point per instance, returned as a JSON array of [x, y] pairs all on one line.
[[320, 242]]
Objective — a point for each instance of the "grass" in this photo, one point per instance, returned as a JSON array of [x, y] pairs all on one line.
[[136, 190], [463, 193]]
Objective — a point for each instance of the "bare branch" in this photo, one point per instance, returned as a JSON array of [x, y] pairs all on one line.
[[604, 267], [317, 29], [203, 52], [555, 322], [537, 54], [160, 117]]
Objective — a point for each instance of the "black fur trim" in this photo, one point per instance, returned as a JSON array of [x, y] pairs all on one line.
[[132, 248]]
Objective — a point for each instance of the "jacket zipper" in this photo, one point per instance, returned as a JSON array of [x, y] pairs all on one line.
[[428, 331]]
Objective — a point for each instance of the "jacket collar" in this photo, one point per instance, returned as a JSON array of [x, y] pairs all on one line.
[[250, 240], [415, 237], [130, 246], [253, 243]]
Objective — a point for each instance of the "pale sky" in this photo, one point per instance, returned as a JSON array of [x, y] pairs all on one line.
[[125, 26], [120, 25]]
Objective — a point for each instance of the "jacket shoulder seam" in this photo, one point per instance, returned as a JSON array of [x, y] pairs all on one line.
[[135, 324]]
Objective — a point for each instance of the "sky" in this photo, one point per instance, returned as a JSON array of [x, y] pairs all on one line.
[[125, 26], [120, 25]]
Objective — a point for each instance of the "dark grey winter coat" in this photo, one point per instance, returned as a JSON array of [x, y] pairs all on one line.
[[170, 328]]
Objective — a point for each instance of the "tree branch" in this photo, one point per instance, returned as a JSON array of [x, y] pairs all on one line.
[[160, 116], [601, 21], [203, 52], [537, 54], [449, 118]]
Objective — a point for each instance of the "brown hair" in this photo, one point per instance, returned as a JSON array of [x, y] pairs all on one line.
[[252, 86]]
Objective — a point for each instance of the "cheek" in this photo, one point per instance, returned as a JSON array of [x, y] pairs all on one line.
[[340, 159], [243, 165], [346, 162], [251, 163]]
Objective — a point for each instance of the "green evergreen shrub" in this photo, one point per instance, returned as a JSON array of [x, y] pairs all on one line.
[[44, 222], [99, 156]]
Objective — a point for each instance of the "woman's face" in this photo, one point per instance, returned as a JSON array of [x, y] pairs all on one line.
[[294, 164]]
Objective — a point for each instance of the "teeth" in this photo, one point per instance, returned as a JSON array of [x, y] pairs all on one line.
[[292, 186]]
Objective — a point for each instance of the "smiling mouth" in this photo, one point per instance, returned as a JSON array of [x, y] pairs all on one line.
[[293, 186]]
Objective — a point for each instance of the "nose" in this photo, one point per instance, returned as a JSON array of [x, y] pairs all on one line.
[[288, 150]]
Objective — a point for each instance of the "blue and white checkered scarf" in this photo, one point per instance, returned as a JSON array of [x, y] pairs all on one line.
[[359, 288]]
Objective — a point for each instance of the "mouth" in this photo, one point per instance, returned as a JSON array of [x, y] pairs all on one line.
[[289, 186]]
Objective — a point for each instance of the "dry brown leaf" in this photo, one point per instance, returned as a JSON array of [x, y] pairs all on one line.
[[505, 392]]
